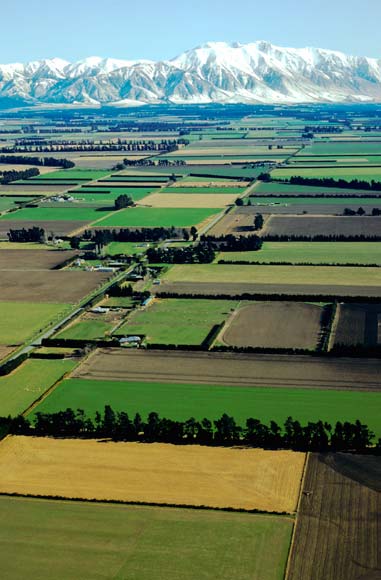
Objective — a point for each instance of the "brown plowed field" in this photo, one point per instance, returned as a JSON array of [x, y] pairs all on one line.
[[358, 324], [33, 259], [233, 223], [338, 527], [239, 288], [155, 473], [275, 324], [232, 369], [318, 225], [57, 286], [59, 228]]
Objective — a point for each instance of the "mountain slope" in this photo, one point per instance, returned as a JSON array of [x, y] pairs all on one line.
[[216, 72]]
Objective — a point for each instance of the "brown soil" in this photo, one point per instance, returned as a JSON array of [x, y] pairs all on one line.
[[57, 286], [59, 227], [275, 324], [232, 369], [184, 475], [33, 259], [233, 223], [358, 324], [338, 528], [239, 288], [319, 225]]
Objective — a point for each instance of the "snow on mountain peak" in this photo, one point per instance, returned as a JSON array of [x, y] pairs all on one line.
[[256, 72]]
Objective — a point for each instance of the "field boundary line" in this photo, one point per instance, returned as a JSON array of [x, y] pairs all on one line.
[[292, 542], [147, 504], [334, 325]]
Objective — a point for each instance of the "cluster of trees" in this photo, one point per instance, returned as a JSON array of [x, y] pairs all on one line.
[[41, 161], [258, 221], [123, 201], [199, 254], [103, 237], [323, 129], [231, 243], [360, 211], [13, 175], [315, 436], [33, 234]]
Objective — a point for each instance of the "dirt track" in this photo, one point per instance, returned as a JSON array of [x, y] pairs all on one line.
[[232, 369], [338, 528]]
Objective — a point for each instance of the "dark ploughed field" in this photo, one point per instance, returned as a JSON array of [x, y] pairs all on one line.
[[338, 527], [232, 369]]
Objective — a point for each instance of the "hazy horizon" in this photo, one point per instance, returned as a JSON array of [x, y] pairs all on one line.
[[79, 30]]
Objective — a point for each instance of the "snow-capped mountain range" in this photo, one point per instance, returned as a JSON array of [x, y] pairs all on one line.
[[216, 72]]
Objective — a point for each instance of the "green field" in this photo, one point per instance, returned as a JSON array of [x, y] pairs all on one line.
[[306, 275], [348, 173], [313, 252], [182, 401], [340, 148], [21, 320], [85, 330], [157, 217], [28, 382], [177, 321], [316, 200], [285, 189], [126, 248], [8, 202], [107, 195], [74, 174], [57, 213], [86, 541]]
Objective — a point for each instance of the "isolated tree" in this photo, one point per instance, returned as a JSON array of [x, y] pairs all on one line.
[[258, 221], [194, 233], [123, 201], [75, 243], [239, 201]]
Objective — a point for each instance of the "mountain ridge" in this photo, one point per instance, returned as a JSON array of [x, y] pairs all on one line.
[[215, 72]]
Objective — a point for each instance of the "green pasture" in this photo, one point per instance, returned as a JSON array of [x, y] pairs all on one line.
[[22, 320], [305, 275], [313, 252], [182, 401], [177, 321], [87, 541], [28, 382]]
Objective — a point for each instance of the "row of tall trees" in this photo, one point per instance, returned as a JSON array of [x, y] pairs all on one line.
[[40, 161], [314, 436]]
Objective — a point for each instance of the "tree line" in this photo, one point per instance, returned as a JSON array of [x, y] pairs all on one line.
[[199, 254], [43, 161], [225, 431], [231, 243], [103, 237], [23, 235], [13, 175], [339, 183]]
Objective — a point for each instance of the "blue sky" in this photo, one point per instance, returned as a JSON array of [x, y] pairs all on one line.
[[154, 29]]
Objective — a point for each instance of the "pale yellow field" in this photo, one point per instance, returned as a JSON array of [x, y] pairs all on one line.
[[207, 200], [183, 475], [19, 167]]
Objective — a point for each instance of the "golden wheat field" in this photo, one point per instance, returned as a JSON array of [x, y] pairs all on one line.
[[160, 473]]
